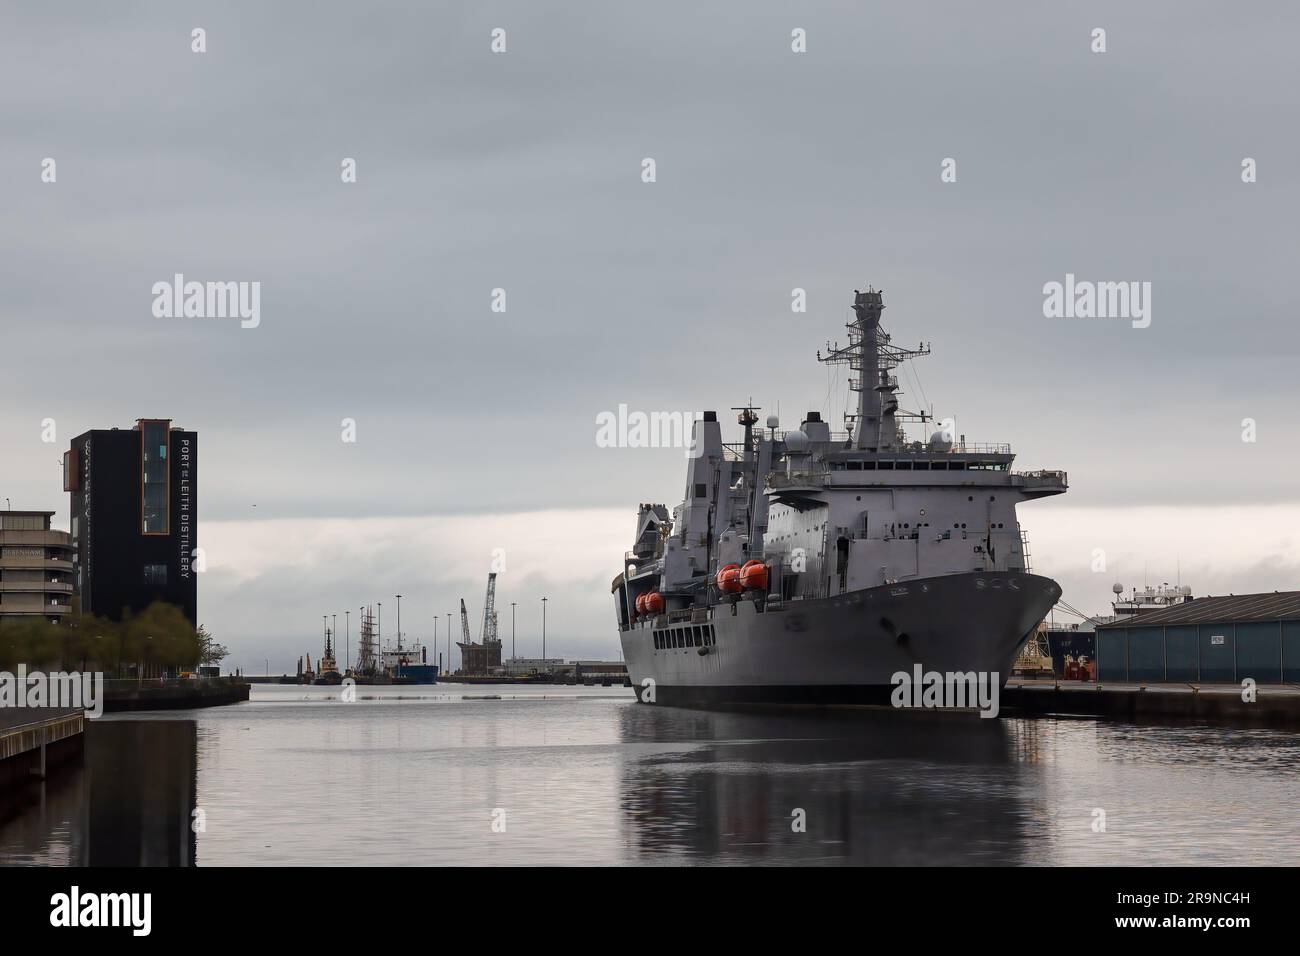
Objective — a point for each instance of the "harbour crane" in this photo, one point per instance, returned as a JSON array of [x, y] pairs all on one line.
[[489, 629], [482, 658]]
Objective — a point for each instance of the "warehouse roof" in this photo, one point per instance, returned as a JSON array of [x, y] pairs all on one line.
[[1274, 606]]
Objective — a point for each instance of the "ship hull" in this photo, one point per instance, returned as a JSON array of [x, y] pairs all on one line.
[[842, 650], [418, 674]]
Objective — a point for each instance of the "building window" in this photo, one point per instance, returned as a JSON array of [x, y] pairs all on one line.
[[155, 575], [153, 477], [12, 522], [70, 471]]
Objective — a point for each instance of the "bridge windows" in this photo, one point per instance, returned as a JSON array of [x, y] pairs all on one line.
[[916, 464]]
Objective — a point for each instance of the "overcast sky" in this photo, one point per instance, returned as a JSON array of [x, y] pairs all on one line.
[[522, 171]]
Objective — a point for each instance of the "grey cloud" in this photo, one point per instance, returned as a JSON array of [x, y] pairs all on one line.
[[521, 171]]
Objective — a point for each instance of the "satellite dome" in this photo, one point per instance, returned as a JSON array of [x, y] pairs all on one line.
[[1117, 588], [773, 421], [797, 442], [940, 442]]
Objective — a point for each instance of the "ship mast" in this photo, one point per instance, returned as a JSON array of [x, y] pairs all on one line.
[[870, 354], [367, 659]]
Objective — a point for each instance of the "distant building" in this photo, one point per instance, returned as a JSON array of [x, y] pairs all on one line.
[[600, 670], [1079, 641], [1206, 640], [36, 570], [523, 666], [559, 669], [134, 510], [479, 658]]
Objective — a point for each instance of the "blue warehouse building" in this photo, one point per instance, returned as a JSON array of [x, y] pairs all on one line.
[[1207, 640]]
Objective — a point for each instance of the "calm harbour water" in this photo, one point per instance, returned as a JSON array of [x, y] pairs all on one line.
[[417, 776]]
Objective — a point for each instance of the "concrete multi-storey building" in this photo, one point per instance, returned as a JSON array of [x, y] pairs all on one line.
[[36, 569]]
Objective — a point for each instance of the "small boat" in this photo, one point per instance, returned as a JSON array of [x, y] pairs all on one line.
[[328, 675]]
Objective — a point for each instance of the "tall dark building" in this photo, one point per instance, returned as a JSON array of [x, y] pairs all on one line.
[[134, 507]]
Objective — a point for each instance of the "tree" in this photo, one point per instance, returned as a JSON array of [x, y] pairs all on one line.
[[210, 652], [160, 637]]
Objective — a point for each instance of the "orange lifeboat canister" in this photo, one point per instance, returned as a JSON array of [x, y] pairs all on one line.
[[729, 579], [753, 576], [640, 603], [654, 603]]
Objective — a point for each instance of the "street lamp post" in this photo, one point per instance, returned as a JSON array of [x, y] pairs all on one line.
[[544, 629], [347, 637], [512, 629], [399, 624]]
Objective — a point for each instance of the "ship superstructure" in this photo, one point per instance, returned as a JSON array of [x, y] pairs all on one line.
[[812, 565]]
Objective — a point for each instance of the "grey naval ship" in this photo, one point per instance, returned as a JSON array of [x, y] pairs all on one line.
[[809, 566]]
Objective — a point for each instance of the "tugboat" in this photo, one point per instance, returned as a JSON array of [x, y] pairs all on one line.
[[328, 674], [810, 566]]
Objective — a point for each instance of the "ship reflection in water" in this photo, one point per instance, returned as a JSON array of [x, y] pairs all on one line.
[[866, 788], [587, 776]]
